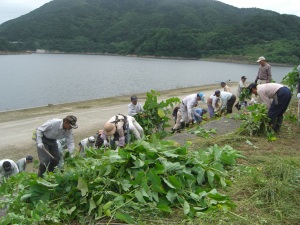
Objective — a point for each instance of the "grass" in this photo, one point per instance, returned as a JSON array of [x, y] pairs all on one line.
[[266, 186]]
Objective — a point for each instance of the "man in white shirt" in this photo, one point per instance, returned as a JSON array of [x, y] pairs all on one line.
[[7, 168], [241, 86], [276, 97], [21, 163], [134, 107], [135, 128], [47, 148], [213, 104], [186, 107], [227, 99]]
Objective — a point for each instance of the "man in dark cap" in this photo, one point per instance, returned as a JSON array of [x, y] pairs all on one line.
[[134, 107], [47, 147], [7, 168], [21, 163], [281, 96]]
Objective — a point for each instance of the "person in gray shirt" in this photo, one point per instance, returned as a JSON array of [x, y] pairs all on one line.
[[21, 163], [47, 135]]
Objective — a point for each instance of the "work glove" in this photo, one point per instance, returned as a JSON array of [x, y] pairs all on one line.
[[298, 96], [40, 145], [105, 143]]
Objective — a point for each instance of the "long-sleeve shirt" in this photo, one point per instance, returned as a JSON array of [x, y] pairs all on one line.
[[264, 73], [21, 163], [14, 169], [225, 96], [119, 130], [241, 86], [134, 109], [53, 129], [267, 91], [189, 102], [227, 89], [213, 100]]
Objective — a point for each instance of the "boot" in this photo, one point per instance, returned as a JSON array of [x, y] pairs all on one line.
[[182, 125]]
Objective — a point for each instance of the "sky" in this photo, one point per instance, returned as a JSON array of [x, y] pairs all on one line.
[[11, 9]]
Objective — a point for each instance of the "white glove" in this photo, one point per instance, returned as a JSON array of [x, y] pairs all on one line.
[[298, 96], [105, 143], [40, 145]]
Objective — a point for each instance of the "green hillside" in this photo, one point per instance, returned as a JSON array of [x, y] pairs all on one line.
[[171, 28]]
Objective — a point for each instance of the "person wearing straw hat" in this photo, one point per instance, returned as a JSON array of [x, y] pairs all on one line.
[[46, 140], [115, 130]]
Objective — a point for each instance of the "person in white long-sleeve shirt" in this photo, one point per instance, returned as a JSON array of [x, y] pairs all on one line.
[[21, 163], [213, 104], [47, 148], [186, 107], [227, 99], [135, 128], [134, 107]]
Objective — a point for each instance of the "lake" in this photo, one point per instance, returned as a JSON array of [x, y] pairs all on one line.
[[33, 80]]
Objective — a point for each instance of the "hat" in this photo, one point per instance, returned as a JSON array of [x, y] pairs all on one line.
[[204, 111], [72, 121], [29, 158], [7, 166], [217, 92], [201, 96], [109, 128], [133, 97], [243, 77], [223, 83], [91, 139], [261, 59]]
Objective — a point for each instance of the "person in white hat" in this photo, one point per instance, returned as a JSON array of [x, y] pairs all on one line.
[[264, 74], [114, 130], [86, 143]]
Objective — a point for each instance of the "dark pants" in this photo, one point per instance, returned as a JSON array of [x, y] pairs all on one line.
[[46, 161], [276, 111], [230, 103]]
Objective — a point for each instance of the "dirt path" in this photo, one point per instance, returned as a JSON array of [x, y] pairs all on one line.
[[16, 126]]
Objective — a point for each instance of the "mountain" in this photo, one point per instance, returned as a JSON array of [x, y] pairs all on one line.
[[172, 28]]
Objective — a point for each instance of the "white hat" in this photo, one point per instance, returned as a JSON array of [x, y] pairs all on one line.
[[91, 139], [261, 59]]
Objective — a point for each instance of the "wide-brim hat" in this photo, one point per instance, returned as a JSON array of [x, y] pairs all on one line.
[[109, 128]]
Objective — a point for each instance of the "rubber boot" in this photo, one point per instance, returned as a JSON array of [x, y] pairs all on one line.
[[182, 125]]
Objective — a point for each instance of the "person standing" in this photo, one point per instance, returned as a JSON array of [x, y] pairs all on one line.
[[7, 168], [134, 107], [264, 74], [47, 135], [213, 104], [227, 99], [281, 96], [186, 107], [225, 87], [241, 86], [21, 163]]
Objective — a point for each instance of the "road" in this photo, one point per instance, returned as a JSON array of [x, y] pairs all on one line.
[[15, 133]]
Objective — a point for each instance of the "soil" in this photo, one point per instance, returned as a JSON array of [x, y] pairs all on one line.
[[16, 126]]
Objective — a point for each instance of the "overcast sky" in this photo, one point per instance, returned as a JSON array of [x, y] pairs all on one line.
[[10, 9]]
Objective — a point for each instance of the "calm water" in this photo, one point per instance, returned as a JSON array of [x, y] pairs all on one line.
[[40, 79]]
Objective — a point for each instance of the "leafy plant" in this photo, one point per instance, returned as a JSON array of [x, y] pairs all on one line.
[[256, 122], [142, 177], [200, 131], [291, 79], [245, 94], [154, 117]]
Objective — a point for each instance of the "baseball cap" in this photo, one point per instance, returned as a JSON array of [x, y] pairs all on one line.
[[133, 97], [72, 121], [91, 139], [202, 96], [29, 158], [243, 77], [261, 59], [217, 92]]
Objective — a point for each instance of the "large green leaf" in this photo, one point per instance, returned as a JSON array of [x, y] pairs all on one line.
[[124, 217], [82, 186]]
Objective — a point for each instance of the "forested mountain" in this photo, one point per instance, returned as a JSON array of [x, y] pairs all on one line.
[[174, 28]]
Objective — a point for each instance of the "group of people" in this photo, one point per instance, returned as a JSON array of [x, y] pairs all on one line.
[[56, 135], [9, 168]]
